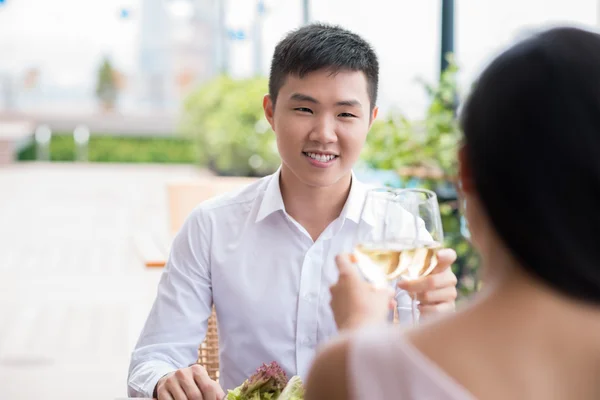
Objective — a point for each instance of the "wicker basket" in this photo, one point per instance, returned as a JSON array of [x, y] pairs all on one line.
[[208, 352]]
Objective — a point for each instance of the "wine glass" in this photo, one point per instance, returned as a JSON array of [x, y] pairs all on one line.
[[404, 237]]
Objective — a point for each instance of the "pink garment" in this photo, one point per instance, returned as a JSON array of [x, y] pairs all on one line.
[[384, 365]]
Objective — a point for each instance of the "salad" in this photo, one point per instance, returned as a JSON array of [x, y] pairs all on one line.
[[269, 382]]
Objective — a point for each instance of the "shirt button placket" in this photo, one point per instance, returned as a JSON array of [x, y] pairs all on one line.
[[308, 308]]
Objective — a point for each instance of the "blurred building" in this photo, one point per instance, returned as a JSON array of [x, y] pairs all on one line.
[[153, 53], [178, 49]]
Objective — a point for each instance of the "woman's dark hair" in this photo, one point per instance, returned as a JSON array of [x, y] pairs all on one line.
[[321, 46], [532, 130]]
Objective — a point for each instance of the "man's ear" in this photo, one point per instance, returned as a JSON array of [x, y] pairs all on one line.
[[269, 109], [373, 115]]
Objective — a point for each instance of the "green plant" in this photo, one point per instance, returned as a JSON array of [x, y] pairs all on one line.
[[125, 149], [106, 85], [226, 121], [395, 141], [467, 265]]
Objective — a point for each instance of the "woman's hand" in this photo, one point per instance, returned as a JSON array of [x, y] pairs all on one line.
[[356, 302]]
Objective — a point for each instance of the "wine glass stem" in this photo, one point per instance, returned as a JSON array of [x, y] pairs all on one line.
[[414, 305]]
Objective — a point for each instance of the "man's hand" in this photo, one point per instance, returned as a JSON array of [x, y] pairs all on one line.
[[436, 292], [192, 383], [356, 302]]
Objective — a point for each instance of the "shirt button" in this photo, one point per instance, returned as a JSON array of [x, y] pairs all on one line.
[[307, 341], [309, 296]]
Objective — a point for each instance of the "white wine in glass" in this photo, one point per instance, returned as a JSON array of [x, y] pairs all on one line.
[[401, 259], [406, 233]]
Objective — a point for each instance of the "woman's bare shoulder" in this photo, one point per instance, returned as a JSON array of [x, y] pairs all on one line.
[[449, 346], [327, 379], [435, 336]]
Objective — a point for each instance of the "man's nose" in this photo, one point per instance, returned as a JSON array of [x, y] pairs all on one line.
[[324, 131]]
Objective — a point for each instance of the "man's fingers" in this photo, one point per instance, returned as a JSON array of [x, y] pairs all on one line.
[[210, 389], [174, 389], [442, 276], [200, 376], [191, 388], [213, 391], [431, 282], [443, 295], [445, 258], [191, 383], [220, 392], [163, 394]]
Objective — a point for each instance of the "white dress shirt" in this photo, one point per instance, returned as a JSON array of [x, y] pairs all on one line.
[[269, 282]]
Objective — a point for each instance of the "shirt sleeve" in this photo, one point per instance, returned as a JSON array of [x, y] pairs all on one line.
[[178, 319]]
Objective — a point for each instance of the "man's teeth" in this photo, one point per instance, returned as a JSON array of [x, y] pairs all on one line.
[[321, 157]]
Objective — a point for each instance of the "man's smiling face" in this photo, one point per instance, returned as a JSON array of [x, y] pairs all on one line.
[[321, 122]]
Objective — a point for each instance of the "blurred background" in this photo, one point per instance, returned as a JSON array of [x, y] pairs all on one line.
[[118, 116]]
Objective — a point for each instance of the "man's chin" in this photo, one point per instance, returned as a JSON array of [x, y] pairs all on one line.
[[314, 177], [324, 179]]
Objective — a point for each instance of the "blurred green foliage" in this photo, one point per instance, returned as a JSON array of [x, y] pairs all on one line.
[[225, 119], [125, 149], [395, 141]]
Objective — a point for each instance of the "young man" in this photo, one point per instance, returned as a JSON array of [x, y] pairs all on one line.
[[265, 255]]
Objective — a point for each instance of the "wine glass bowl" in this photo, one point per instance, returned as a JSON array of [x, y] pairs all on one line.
[[404, 236]]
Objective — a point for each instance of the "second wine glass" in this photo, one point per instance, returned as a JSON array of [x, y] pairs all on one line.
[[404, 236]]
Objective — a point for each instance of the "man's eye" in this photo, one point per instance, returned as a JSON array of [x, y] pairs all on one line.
[[303, 109], [347, 115]]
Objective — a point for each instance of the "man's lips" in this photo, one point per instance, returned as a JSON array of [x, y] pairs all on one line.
[[321, 157]]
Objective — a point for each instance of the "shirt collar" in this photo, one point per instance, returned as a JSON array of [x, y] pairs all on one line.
[[353, 207], [272, 200]]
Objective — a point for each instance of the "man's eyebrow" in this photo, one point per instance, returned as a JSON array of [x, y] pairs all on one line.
[[303, 97], [349, 103]]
